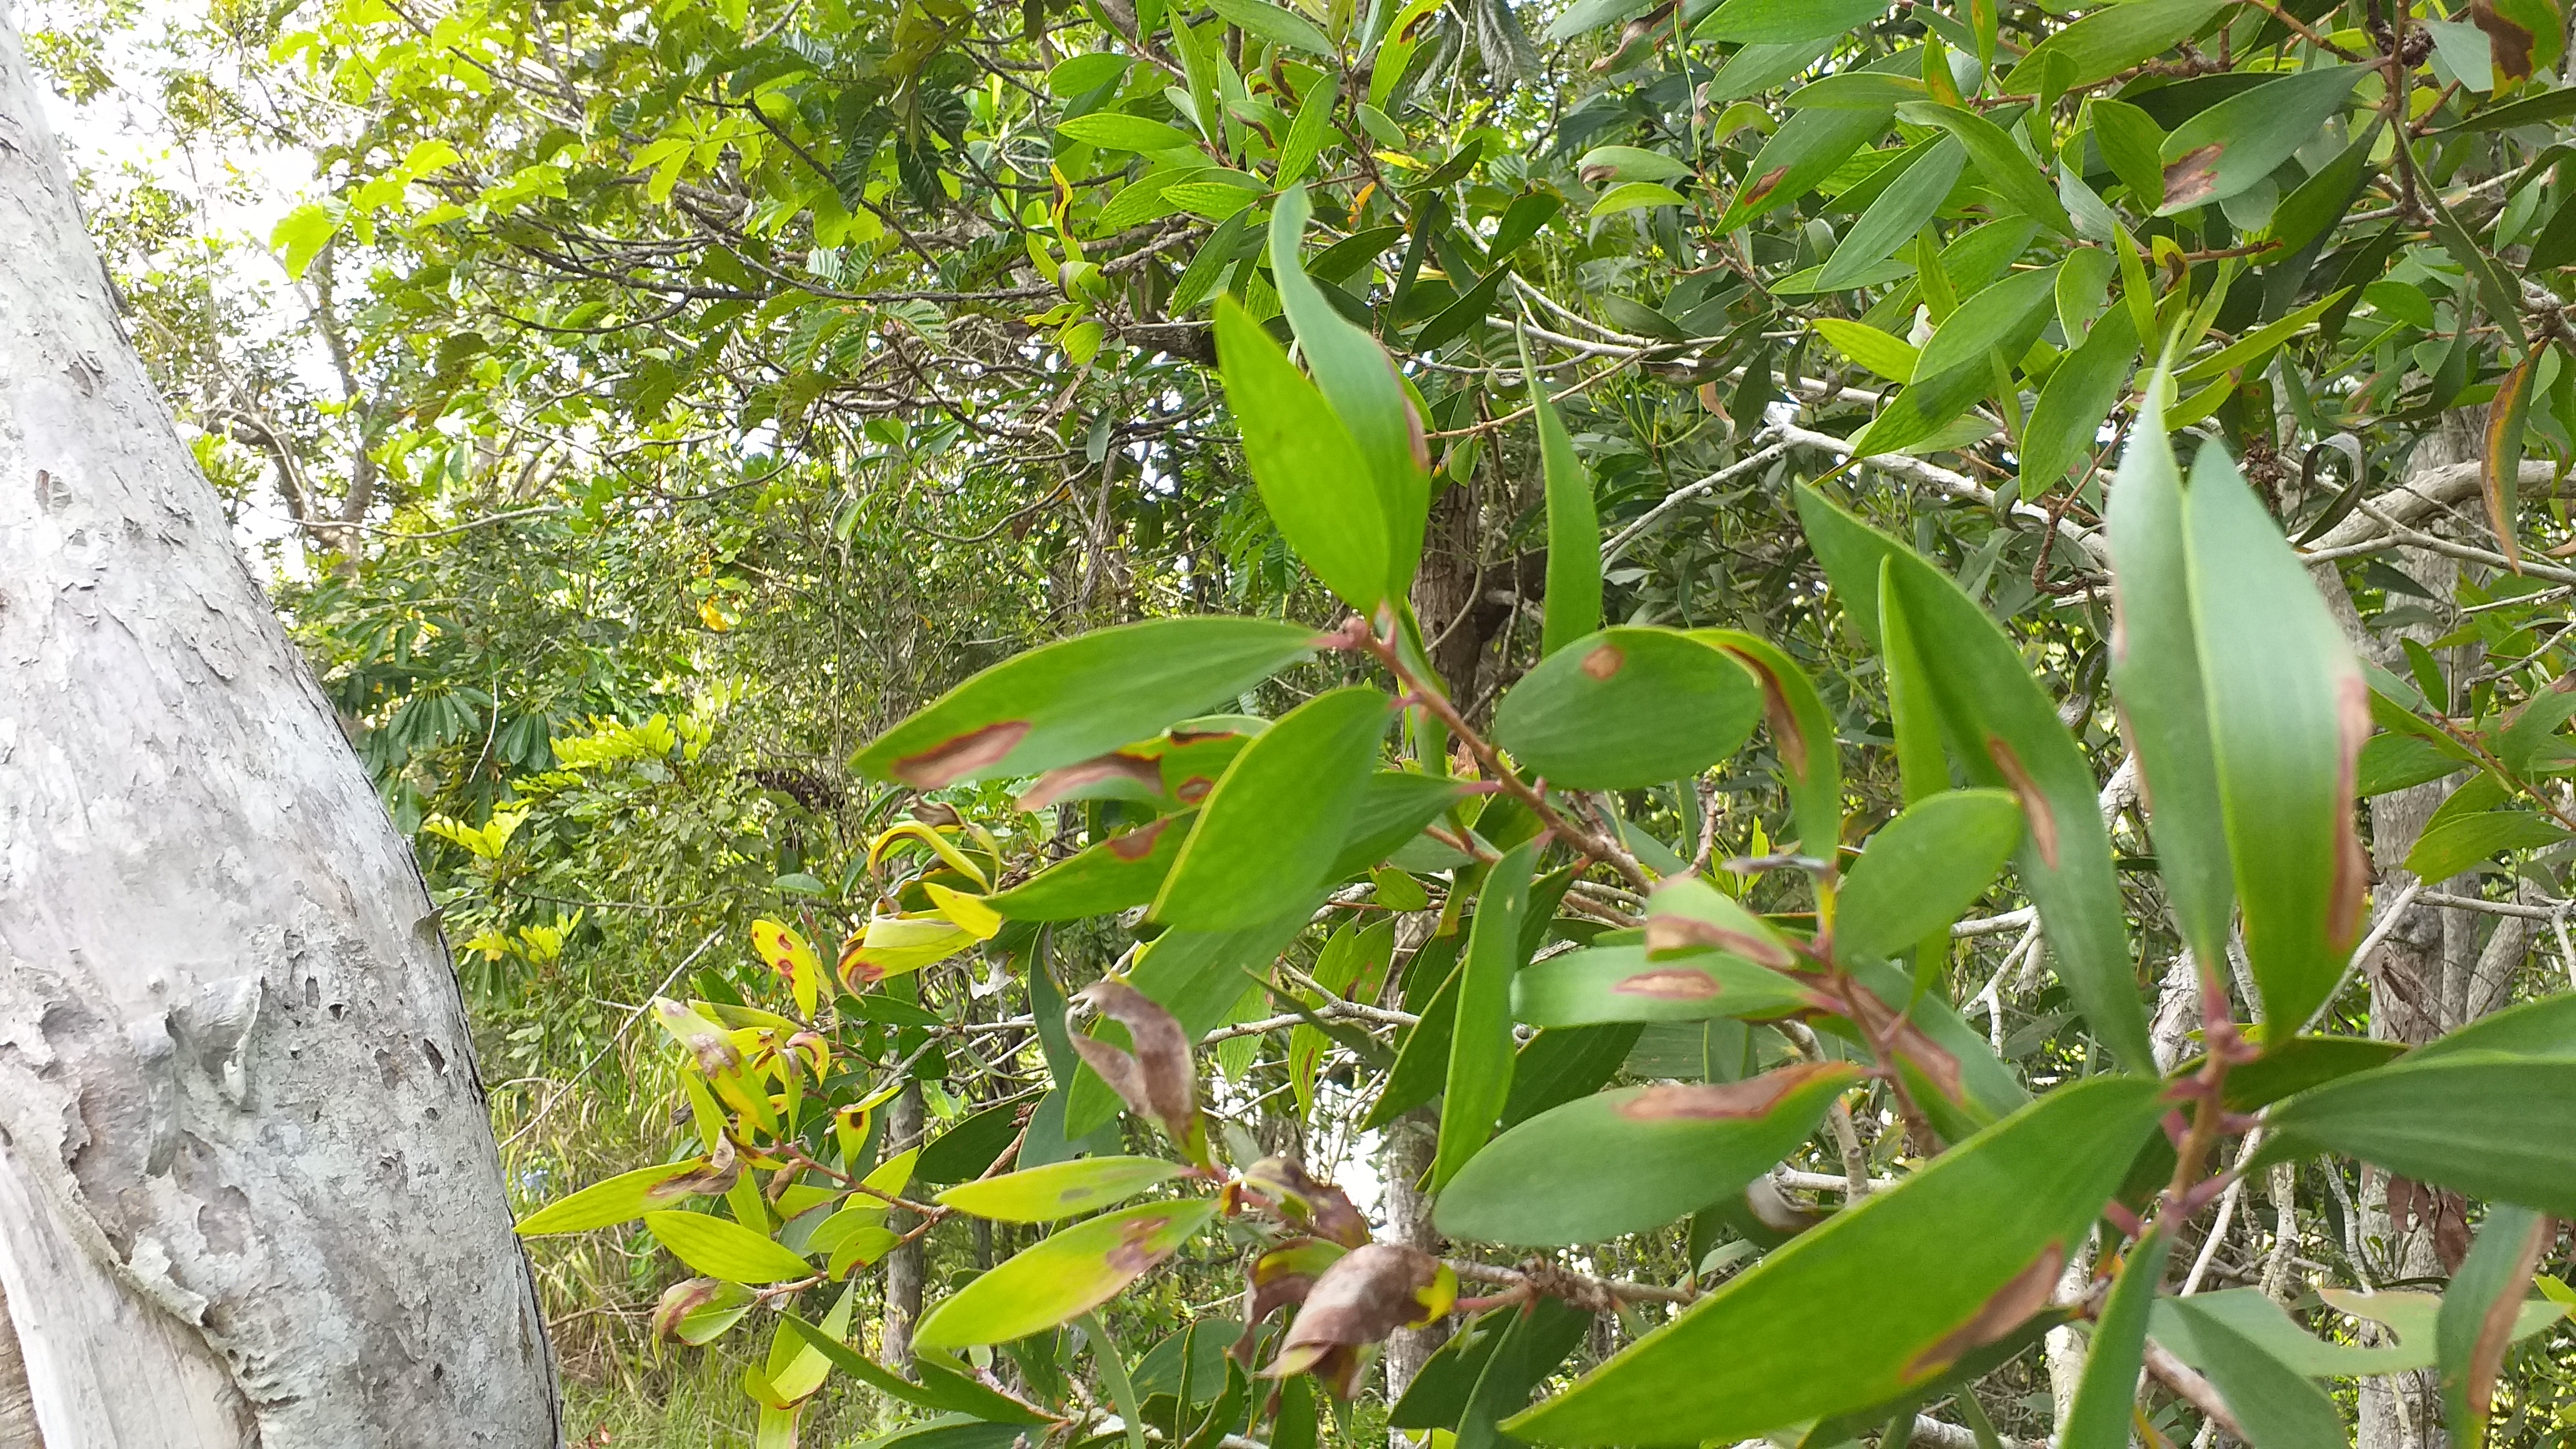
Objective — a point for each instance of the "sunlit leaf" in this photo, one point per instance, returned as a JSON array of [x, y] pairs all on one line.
[[1063, 1277]]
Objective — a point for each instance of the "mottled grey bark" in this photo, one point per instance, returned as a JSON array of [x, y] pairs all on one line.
[[903, 1265], [1403, 1163], [248, 1191]]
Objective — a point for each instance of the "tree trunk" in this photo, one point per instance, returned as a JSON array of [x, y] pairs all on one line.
[[904, 1264], [248, 1191], [1406, 1159]]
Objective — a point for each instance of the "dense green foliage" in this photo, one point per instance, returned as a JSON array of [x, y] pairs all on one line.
[[678, 399]]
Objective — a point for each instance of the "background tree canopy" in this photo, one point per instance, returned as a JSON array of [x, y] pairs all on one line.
[[647, 408]]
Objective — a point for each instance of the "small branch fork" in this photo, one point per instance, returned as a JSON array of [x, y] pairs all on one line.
[[1538, 1278], [1356, 636]]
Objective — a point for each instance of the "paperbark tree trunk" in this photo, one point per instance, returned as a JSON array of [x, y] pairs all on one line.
[[248, 1191]]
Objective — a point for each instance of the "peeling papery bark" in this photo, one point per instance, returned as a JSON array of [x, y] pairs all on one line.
[[248, 1191]]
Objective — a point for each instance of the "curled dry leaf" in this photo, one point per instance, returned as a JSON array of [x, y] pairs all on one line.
[[715, 1173], [1307, 1202], [1158, 1079], [1281, 1278], [1368, 1294], [695, 1310]]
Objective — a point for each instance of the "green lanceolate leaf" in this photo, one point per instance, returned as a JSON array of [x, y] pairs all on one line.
[[1274, 823], [2480, 1312], [1802, 731], [1358, 379], [2481, 1122], [1897, 215], [1124, 870], [1480, 1042], [1422, 1062], [2288, 712], [1082, 697], [723, 1249], [1391, 812], [2011, 311], [2104, 1399], [1312, 478], [1786, 22], [1805, 150], [1573, 533], [1922, 869], [2001, 163], [1627, 707], [1111, 131], [1631, 1160], [2291, 1067], [2543, 1028], [2156, 669], [2133, 144], [2107, 42], [1276, 24], [2076, 401], [1789, 1341], [1070, 1273], [2223, 150], [1059, 1189], [2011, 737], [1619, 983], [2278, 1406]]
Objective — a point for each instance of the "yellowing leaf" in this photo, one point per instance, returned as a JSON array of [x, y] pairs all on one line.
[[791, 959]]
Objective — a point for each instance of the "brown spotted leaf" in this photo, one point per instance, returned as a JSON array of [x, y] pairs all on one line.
[[1627, 708], [1844, 1315], [1081, 698], [1619, 983], [1632, 1160], [1063, 1277]]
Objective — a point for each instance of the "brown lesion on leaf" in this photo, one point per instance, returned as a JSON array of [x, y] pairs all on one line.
[[1058, 783], [1604, 660], [2034, 801], [1193, 790], [1136, 1250], [1748, 1100], [1675, 932], [975, 750], [1669, 983], [2011, 1306], [2193, 178], [1752, 195], [2507, 42], [1134, 845]]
